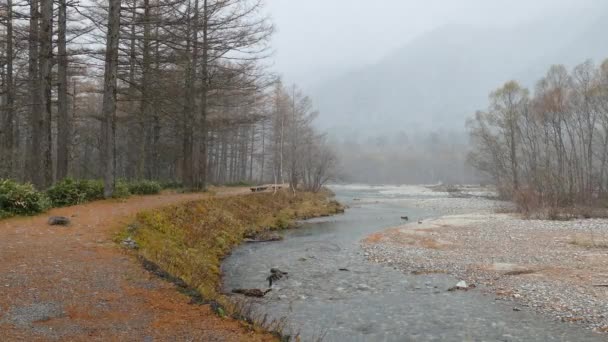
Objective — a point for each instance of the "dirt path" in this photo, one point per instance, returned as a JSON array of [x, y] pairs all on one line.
[[74, 283]]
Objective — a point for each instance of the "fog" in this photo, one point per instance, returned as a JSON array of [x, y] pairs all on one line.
[[385, 70], [333, 36]]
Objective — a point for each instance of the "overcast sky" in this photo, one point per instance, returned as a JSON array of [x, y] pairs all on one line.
[[316, 38]]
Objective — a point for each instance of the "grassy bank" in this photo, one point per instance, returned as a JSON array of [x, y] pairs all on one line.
[[189, 241]]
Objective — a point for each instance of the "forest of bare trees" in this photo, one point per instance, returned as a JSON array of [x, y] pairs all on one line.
[[549, 147], [168, 90]]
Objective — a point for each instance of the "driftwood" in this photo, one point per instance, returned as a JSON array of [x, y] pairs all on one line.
[[263, 237], [257, 293], [269, 239]]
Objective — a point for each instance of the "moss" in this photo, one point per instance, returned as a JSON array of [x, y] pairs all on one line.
[[189, 240]]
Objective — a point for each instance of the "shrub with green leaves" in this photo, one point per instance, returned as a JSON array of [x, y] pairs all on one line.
[[144, 187], [72, 192], [20, 199], [121, 190], [171, 185]]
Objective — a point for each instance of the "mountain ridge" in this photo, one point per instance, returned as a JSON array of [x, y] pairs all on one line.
[[440, 78]]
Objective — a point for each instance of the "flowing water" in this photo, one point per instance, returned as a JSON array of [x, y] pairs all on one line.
[[371, 302]]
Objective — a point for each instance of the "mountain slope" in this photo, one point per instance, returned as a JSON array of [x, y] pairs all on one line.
[[442, 77]]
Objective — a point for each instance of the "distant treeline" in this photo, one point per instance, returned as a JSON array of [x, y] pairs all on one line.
[[548, 148], [408, 157]]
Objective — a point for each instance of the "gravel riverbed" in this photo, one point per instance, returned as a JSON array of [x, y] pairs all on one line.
[[559, 268]]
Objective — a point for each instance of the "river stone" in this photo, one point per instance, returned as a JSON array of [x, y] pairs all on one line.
[[462, 285], [363, 287], [130, 243], [58, 221]]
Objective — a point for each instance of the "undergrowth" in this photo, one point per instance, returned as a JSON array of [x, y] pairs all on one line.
[[21, 199], [70, 191]]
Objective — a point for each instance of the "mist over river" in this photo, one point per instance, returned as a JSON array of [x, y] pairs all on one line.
[[372, 302]]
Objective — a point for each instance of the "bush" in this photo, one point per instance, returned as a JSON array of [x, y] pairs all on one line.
[[72, 192], [20, 199], [171, 185], [144, 187], [121, 190]]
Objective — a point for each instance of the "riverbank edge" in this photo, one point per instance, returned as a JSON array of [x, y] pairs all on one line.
[[186, 243]]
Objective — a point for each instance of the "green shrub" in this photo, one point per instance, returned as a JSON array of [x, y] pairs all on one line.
[[71, 192], [20, 199], [171, 185], [144, 187], [121, 190]]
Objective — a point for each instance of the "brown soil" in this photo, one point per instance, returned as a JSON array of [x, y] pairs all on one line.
[[75, 283]]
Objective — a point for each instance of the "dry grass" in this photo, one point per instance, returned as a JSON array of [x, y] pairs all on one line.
[[519, 272], [590, 242], [189, 241], [533, 205]]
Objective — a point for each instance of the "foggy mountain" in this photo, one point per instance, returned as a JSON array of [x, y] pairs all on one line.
[[442, 77]]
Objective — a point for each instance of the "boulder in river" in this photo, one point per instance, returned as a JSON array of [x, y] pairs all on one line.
[[275, 275], [462, 286]]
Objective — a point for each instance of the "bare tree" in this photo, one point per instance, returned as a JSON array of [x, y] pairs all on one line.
[[553, 146]]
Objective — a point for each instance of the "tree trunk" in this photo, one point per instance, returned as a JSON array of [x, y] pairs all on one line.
[[188, 172], [33, 160], [63, 123], [6, 150], [109, 98], [134, 134], [46, 76], [156, 129], [145, 154], [251, 153], [202, 176], [263, 152]]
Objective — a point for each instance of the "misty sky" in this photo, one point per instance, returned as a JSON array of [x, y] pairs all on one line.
[[319, 38]]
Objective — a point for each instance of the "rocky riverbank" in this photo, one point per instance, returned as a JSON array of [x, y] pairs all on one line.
[[555, 267]]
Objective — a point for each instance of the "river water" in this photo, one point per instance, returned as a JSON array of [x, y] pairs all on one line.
[[372, 302]]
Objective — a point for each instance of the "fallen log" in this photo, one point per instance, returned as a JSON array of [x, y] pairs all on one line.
[[263, 237], [257, 293]]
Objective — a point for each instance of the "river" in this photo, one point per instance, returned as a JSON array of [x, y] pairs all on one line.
[[372, 302]]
